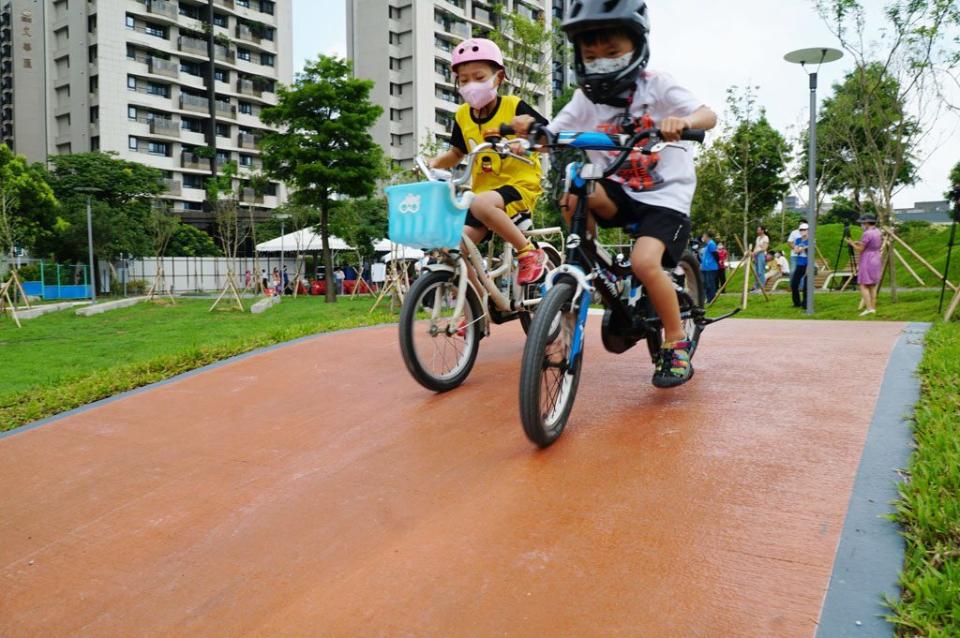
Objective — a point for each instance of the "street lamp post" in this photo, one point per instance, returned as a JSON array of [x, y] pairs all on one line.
[[90, 190], [803, 57]]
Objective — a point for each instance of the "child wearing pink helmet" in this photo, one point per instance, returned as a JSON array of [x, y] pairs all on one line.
[[506, 188]]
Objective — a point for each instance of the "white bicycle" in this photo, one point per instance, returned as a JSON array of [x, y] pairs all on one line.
[[460, 293]]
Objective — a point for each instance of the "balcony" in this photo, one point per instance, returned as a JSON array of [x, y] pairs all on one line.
[[163, 8], [195, 46], [246, 33], [166, 68], [224, 54], [192, 160], [250, 196], [174, 187], [248, 87], [245, 140], [226, 109], [193, 103], [163, 126], [253, 165]]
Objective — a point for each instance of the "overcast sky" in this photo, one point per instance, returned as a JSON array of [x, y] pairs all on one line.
[[708, 46]]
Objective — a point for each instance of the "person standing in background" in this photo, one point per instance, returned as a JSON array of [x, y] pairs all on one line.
[[871, 266], [722, 255], [709, 265], [792, 237], [798, 280], [760, 258]]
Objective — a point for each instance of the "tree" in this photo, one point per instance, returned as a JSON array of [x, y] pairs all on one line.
[[190, 241], [741, 177], [120, 209], [904, 67], [28, 206], [233, 228], [326, 149], [361, 222], [523, 41]]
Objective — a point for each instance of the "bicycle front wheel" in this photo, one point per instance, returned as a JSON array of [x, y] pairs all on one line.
[[439, 350], [548, 385]]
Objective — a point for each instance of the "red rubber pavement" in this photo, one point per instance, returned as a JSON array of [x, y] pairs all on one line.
[[315, 489]]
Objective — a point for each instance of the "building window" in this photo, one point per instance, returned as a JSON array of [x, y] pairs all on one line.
[[267, 34], [223, 157], [131, 83], [394, 38], [131, 22], [191, 180], [131, 52], [243, 54], [396, 115], [157, 148], [243, 3], [246, 160], [132, 143], [94, 83], [266, 6], [95, 143], [223, 130], [396, 89], [94, 114], [131, 113], [158, 89], [221, 75], [220, 19], [395, 64], [155, 30], [246, 108], [267, 59], [190, 124], [395, 13]]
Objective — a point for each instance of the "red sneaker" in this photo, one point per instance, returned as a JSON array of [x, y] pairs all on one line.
[[531, 266]]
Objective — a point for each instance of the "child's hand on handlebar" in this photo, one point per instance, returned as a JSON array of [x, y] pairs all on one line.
[[672, 127], [522, 123]]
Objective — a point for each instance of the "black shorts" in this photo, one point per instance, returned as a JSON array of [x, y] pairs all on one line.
[[509, 195], [646, 220]]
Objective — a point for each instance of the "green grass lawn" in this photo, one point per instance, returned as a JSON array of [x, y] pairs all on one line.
[[929, 509], [912, 305], [61, 361]]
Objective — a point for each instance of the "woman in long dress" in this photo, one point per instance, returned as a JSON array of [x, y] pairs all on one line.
[[871, 266]]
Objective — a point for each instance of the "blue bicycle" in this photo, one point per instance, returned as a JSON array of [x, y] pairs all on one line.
[[552, 359]]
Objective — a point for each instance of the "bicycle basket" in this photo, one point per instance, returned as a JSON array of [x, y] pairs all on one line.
[[426, 214]]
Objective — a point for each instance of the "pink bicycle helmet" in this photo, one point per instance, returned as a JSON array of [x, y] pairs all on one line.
[[476, 50]]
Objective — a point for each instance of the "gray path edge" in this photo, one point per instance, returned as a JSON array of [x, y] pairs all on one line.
[[184, 375], [870, 553]]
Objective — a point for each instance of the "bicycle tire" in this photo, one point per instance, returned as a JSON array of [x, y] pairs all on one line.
[[472, 334], [554, 259], [540, 428]]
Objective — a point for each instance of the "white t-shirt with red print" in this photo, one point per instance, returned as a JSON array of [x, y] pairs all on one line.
[[673, 179]]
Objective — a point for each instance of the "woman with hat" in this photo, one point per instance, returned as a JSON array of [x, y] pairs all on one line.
[[871, 267]]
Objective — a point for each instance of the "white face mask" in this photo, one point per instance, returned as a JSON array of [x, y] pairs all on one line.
[[608, 65]]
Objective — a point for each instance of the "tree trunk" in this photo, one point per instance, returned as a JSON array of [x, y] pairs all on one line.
[[328, 278], [891, 263]]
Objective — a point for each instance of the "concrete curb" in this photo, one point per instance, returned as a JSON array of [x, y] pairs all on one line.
[[871, 550], [39, 311], [264, 304], [100, 308]]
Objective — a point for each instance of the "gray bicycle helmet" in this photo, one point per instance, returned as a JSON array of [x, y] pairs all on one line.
[[594, 15]]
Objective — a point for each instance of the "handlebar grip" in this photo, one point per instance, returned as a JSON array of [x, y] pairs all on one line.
[[506, 129], [693, 135]]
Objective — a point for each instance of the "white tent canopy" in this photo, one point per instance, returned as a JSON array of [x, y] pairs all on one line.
[[306, 239], [396, 251]]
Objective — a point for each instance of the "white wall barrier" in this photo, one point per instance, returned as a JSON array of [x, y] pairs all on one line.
[[204, 274]]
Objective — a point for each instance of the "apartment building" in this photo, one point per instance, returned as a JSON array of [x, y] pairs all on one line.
[[405, 47], [150, 80]]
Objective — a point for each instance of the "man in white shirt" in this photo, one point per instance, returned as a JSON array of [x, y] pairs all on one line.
[[792, 239]]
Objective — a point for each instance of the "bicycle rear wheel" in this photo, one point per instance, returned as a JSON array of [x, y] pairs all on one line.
[[547, 384], [691, 298]]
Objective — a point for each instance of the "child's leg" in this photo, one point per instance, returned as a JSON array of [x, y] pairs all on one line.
[[489, 208], [598, 203], [646, 260]]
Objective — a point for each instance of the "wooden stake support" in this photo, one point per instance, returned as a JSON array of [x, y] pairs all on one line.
[[13, 284], [231, 287], [159, 286], [917, 256]]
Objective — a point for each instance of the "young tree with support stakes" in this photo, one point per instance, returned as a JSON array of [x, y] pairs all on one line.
[[161, 226], [25, 202], [325, 150], [232, 228], [896, 82]]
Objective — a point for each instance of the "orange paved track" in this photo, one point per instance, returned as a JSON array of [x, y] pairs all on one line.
[[317, 490]]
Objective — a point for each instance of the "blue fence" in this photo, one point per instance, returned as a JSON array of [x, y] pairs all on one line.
[[60, 282]]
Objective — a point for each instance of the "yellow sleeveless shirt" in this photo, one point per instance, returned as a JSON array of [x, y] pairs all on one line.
[[490, 171]]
